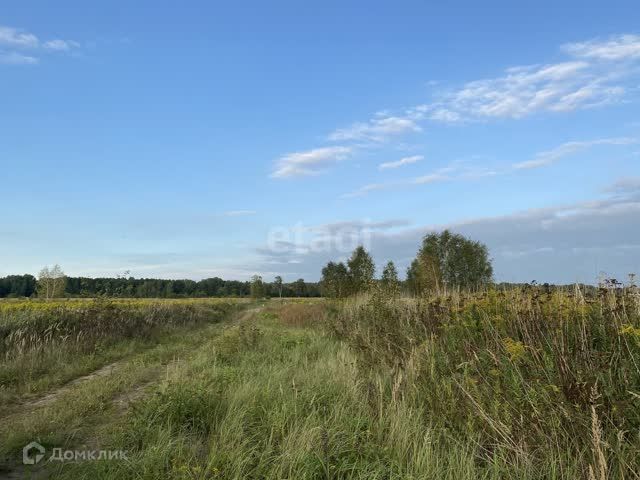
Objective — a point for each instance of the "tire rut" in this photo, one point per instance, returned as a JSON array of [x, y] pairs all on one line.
[[121, 402]]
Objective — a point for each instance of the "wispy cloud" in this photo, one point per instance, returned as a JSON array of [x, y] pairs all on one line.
[[617, 47], [310, 162], [377, 129], [461, 169], [430, 178], [569, 148], [595, 73], [401, 162], [439, 175], [366, 189], [239, 213], [60, 45], [15, 58], [336, 227], [523, 91], [14, 37], [469, 169], [21, 46]]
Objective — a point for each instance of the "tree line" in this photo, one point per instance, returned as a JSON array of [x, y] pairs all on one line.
[[52, 283], [444, 261], [17, 286]]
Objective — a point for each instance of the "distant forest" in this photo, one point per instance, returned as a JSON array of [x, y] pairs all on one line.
[[15, 286], [25, 286]]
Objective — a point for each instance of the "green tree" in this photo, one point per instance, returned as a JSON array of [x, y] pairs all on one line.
[[51, 282], [257, 287], [389, 279], [335, 280], [17, 286], [449, 260], [425, 272], [278, 284], [361, 271], [300, 288], [413, 280]]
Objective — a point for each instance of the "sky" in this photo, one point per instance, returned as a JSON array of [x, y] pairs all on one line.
[[199, 139]]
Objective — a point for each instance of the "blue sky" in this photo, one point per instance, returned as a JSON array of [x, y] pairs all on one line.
[[198, 139]]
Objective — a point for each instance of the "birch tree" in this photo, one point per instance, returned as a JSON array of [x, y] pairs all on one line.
[[51, 282]]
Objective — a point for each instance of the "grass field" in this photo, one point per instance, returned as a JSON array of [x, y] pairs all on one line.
[[518, 384]]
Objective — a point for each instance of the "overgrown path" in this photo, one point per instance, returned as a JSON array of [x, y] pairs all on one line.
[[270, 397], [74, 415]]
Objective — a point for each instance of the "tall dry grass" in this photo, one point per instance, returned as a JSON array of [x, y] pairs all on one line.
[[521, 385], [44, 344], [33, 326], [535, 377]]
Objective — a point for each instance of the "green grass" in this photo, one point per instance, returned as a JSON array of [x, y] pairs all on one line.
[[268, 401], [45, 344], [74, 413], [544, 384], [511, 385]]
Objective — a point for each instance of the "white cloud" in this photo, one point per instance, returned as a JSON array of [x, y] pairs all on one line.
[[595, 73], [617, 47], [372, 187], [563, 243], [17, 41], [526, 90], [17, 38], [377, 129], [593, 76], [588, 96], [445, 116], [310, 162], [15, 58], [437, 176], [401, 162], [336, 227], [569, 148], [431, 178], [461, 169], [60, 45], [467, 169], [239, 213]]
